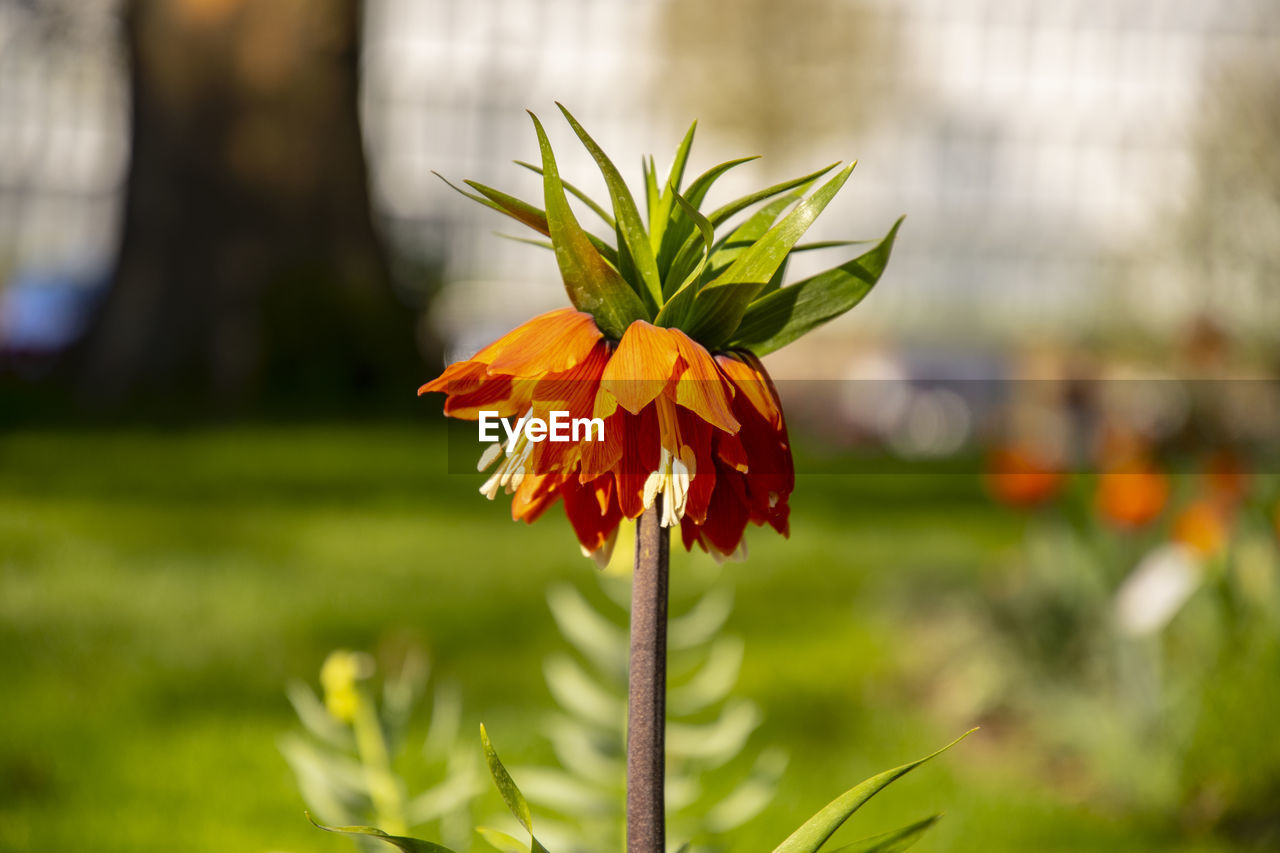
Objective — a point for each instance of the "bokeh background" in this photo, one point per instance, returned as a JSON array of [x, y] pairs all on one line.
[[1037, 491]]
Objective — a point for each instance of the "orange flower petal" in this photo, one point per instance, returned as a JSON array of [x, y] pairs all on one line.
[[700, 387], [461, 377], [750, 381], [641, 367], [548, 343]]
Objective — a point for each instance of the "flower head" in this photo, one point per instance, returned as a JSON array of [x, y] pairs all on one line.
[[661, 346]]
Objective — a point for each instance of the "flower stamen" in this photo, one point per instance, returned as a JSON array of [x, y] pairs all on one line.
[[510, 472]]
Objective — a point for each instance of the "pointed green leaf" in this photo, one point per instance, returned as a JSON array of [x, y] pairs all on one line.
[[592, 284], [506, 785], [581, 196], [717, 309], [708, 237], [778, 318], [523, 212], [758, 262], [826, 244], [775, 282], [408, 845], [541, 244], [891, 842], [660, 216], [679, 230], [630, 226], [676, 176], [504, 842], [751, 230], [815, 832], [651, 194], [720, 305], [720, 214], [702, 184]]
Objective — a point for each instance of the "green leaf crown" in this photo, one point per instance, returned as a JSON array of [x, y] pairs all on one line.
[[721, 285]]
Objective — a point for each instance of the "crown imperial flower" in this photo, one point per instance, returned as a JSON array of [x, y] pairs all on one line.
[[662, 344]]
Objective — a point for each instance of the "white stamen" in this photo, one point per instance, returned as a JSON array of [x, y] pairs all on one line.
[[511, 470], [671, 479], [490, 453]]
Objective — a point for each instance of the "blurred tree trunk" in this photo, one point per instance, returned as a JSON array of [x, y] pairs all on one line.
[[249, 265]]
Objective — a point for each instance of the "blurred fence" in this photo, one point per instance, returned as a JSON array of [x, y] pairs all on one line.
[[1062, 165]]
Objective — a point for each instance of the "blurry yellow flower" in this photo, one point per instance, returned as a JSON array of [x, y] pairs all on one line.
[[339, 677]]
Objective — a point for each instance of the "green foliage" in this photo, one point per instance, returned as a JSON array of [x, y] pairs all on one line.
[[1155, 718], [113, 545], [346, 763], [810, 837], [779, 317], [593, 284], [673, 271], [408, 845], [715, 781]]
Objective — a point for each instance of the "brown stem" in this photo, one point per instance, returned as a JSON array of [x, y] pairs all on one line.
[[647, 691]]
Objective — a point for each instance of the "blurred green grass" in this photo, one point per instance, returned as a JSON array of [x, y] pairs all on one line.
[[158, 588]]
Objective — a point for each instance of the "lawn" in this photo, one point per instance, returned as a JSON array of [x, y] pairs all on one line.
[[158, 589]]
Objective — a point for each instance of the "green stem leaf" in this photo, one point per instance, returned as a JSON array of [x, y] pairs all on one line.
[[408, 845], [815, 832]]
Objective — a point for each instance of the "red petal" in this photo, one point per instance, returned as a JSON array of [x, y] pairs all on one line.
[[640, 453], [592, 512], [696, 433]]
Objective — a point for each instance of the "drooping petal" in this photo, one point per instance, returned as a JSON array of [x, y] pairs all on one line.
[[573, 392], [460, 377], [640, 456], [549, 343], [592, 511], [700, 387], [748, 377], [697, 436], [640, 369], [495, 394], [536, 493], [726, 519], [601, 457]]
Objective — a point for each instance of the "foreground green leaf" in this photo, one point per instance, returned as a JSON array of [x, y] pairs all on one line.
[[815, 831], [502, 841], [891, 842], [592, 284], [409, 845], [778, 318], [507, 787]]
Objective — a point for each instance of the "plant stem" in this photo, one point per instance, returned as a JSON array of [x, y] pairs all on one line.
[[647, 688]]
